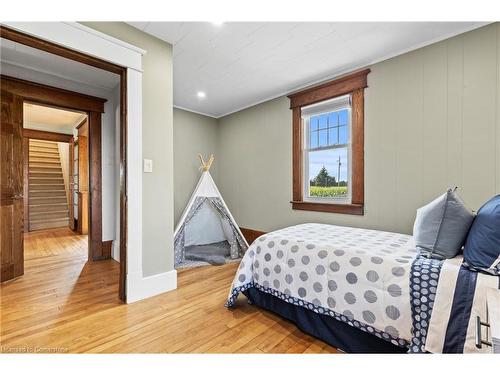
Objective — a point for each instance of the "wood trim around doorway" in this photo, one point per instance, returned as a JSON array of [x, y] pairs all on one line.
[[53, 96], [47, 136], [94, 140], [68, 53], [44, 45]]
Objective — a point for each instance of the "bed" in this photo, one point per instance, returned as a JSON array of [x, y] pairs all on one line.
[[363, 290]]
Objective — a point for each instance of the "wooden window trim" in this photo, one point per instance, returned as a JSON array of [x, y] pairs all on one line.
[[353, 84]]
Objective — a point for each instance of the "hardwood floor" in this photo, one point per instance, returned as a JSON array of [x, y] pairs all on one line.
[[65, 304]]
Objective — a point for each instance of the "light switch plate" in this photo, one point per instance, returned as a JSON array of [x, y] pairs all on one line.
[[148, 166]]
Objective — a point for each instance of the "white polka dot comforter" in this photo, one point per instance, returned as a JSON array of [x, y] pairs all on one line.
[[358, 276]]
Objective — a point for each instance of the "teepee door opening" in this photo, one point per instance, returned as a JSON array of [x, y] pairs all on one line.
[[207, 232]]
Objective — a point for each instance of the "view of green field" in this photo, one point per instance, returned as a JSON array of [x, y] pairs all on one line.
[[330, 191]]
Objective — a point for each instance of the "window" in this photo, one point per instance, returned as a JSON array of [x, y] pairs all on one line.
[[328, 149]]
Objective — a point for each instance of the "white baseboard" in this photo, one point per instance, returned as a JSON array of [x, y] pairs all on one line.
[[115, 251], [139, 287]]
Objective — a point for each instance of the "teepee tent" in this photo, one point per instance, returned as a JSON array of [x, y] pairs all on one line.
[[207, 231]]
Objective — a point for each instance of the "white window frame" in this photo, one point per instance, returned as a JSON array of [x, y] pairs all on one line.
[[327, 106]]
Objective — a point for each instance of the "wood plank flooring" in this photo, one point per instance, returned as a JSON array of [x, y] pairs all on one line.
[[64, 304]]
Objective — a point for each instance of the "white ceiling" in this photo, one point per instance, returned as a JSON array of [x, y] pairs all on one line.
[[239, 64], [51, 119], [24, 59]]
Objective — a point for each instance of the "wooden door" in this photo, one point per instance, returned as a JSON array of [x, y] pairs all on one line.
[[11, 181]]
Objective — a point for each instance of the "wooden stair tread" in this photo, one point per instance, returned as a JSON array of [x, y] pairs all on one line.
[[47, 204], [45, 165], [47, 180], [45, 184], [45, 173], [50, 187], [48, 193], [42, 142], [43, 151], [40, 148], [49, 217], [44, 156], [48, 161], [54, 219]]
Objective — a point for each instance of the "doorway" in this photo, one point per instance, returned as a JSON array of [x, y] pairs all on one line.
[[55, 193], [16, 92], [56, 182]]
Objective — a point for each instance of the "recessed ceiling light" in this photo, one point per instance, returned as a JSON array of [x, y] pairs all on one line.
[[217, 23], [201, 94]]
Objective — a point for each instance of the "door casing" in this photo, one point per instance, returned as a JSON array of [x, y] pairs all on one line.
[[48, 95], [71, 54]]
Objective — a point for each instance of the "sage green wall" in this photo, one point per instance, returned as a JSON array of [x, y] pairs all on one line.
[[157, 144], [431, 121], [193, 134]]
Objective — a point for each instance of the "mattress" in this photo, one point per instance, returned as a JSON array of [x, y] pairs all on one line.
[[358, 276]]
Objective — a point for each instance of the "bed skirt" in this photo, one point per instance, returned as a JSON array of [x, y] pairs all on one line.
[[335, 333]]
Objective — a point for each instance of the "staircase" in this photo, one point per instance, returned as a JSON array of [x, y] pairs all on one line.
[[48, 206]]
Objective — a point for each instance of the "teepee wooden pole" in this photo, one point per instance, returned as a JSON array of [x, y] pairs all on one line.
[[210, 161], [202, 161], [206, 166]]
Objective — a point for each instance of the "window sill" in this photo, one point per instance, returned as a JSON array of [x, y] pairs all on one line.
[[349, 209]]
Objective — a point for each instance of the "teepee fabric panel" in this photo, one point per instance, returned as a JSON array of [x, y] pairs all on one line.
[[237, 243], [205, 227], [179, 238]]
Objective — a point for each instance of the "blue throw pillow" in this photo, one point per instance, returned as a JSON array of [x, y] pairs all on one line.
[[442, 225], [482, 247]]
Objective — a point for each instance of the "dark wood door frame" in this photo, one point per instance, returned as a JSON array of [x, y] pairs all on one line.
[[47, 136], [68, 53], [37, 93]]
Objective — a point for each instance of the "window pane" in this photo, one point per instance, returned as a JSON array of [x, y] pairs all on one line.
[[343, 117], [333, 136], [314, 123], [333, 119], [313, 139], [323, 141], [328, 173], [343, 134], [323, 121]]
